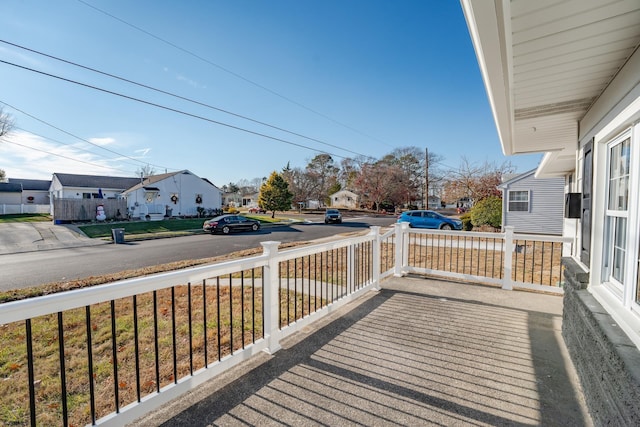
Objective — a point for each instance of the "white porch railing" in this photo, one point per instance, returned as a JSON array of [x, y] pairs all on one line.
[[507, 259], [109, 354]]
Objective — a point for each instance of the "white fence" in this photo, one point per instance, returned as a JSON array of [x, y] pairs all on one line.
[[24, 209]]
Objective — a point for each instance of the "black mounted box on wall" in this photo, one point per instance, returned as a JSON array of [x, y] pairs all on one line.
[[572, 205]]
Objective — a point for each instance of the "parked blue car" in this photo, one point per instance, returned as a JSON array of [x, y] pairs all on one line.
[[429, 219]]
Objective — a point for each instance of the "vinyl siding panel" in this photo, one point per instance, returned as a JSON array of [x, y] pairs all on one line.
[[546, 205]]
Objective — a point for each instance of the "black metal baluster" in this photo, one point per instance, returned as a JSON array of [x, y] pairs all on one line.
[[204, 323], [31, 376], [553, 245], [189, 319], [136, 346], [114, 355], [92, 393], [156, 339], [253, 305], [173, 334], [242, 306], [230, 313], [63, 372], [464, 256], [218, 315]]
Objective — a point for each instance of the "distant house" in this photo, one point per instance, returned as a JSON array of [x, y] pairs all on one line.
[[10, 193], [34, 191], [71, 186], [172, 194], [344, 199], [434, 202], [533, 205], [24, 196]]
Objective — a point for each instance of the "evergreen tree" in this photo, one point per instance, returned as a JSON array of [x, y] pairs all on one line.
[[275, 194]]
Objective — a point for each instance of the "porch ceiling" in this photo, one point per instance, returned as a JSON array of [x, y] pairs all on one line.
[[546, 62]]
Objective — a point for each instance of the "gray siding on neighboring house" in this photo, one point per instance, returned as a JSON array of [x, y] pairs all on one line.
[[546, 204]]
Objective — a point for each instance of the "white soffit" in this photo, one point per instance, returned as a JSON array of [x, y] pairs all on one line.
[[559, 56]]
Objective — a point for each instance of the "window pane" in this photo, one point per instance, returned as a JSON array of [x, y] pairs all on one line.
[[619, 248], [619, 176], [518, 206]]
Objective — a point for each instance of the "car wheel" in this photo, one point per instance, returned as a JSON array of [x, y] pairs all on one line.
[[339, 221], [446, 227], [326, 222], [226, 229], [255, 227]]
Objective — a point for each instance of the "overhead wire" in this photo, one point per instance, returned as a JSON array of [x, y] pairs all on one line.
[[226, 70], [163, 107], [179, 97], [3, 139], [83, 149], [82, 139]]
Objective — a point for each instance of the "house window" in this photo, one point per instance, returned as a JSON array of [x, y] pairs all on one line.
[[615, 233], [518, 201]]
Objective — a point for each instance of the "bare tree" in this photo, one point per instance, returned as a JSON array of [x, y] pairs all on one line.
[[6, 122], [476, 181], [145, 171]]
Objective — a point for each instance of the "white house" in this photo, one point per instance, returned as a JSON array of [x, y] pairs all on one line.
[[533, 205], [72, 186], [344, 199], [563, 78], [172, 194]]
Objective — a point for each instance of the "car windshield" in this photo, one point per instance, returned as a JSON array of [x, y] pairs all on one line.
[[332, 211]]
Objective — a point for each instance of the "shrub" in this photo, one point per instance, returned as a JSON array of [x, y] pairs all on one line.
[[487, 212], [466, 221]]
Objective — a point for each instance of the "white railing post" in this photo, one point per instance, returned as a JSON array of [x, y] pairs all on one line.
[[507, 281], [375, 231], [402, 248], [271, 296]]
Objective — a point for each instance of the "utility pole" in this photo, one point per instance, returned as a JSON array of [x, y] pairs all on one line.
[[426, 178]]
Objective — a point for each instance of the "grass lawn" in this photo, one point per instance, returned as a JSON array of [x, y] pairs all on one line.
[[147, 227], [25, 218]]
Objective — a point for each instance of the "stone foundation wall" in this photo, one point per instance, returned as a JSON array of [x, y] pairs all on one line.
[[607, 361]]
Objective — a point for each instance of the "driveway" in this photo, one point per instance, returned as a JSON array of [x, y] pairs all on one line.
[[16, 237]]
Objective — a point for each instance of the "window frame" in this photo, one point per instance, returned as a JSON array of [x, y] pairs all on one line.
[[528, 201], [619, 284]]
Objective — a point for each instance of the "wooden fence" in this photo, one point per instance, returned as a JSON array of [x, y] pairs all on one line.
[[85, 209]]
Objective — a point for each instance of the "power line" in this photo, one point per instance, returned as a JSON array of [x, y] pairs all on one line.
[[81, 139], [226, 70], [58, 155], [177, 96], [79, 148], [163, 107]]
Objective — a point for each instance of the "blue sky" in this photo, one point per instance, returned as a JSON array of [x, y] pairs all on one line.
[[360, 76]]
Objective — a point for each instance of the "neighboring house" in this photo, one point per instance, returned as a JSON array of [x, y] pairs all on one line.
[[10, 193], [172, 194], [344, 199], [565, 80], [71, 186], [533, 205], [434, 202], [250, 200], [24, 196], [34, 191]]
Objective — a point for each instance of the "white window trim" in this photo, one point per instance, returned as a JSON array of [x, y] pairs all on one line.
[[519, 201], [618, 289]]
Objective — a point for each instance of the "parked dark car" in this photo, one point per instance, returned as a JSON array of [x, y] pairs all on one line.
[[429, 219], [332, 215], [227, 223]]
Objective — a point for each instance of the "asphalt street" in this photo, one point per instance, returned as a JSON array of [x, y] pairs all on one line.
[[51, 253]]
